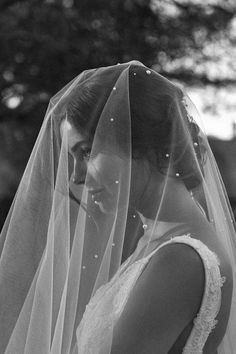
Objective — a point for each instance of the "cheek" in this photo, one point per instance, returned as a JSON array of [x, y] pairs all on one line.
[[105, 169]]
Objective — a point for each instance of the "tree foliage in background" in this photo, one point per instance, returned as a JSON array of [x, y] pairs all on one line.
[[44, 44]]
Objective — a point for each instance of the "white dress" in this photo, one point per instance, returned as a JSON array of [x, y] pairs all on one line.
[[106, 306]]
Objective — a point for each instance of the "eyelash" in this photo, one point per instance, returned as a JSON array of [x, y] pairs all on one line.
[[86, 153]]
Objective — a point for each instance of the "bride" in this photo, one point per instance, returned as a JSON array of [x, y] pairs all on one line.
[[120, 238]]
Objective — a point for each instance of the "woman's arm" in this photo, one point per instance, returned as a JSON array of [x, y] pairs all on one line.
[[166, 297]]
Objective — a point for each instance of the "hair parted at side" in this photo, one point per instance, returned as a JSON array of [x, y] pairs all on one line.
[[159, 119]]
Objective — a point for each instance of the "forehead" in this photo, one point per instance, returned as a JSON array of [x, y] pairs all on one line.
[[72, 134]]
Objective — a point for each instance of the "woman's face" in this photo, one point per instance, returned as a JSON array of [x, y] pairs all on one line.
[[101, 174]]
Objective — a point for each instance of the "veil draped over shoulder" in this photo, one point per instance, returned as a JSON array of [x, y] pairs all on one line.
[[74, 222]]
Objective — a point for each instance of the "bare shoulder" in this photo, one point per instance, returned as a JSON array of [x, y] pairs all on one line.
[[165, 299], [177, 270], [179, 259]]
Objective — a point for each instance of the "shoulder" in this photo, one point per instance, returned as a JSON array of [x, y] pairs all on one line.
[[180, 249], [175, 255], [165, 299], [174, 281], [176, 272]]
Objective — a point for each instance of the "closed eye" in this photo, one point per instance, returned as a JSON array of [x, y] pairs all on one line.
[[82, 150], [86, 152]]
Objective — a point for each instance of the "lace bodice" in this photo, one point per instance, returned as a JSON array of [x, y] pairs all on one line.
[[106, 306]]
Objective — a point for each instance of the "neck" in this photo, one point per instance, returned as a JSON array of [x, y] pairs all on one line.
[[166, 199], [166, 203]]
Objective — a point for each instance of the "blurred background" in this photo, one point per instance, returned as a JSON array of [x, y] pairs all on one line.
[[46, 43]]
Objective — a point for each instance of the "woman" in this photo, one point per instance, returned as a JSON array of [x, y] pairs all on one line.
[[120, 238]]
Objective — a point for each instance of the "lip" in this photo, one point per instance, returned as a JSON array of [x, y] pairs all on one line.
[[95, 190], [96, 194]]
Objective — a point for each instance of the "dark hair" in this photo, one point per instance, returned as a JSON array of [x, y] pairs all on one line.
[[159, 120]]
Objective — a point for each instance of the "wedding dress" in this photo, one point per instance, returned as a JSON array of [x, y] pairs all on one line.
[[106, 306]]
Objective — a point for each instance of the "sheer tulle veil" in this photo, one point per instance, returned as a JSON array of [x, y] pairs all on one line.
[[63, 240]]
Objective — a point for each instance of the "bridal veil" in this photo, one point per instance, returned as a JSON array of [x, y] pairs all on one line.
[[63, 240]]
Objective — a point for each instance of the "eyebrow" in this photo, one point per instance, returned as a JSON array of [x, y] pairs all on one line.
[[78, 145]]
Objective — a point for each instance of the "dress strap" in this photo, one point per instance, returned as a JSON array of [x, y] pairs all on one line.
[[180, 229], [176, 239], [205, 320]]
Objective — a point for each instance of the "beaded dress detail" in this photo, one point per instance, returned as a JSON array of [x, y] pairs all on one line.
[[106, 306]]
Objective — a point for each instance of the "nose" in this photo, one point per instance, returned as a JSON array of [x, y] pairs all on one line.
[[79, 172]]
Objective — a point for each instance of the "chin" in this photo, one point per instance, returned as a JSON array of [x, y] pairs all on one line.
[[105, 209], [109, 207]]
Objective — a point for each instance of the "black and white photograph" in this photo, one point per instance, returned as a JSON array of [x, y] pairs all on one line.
[[118, 177]]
